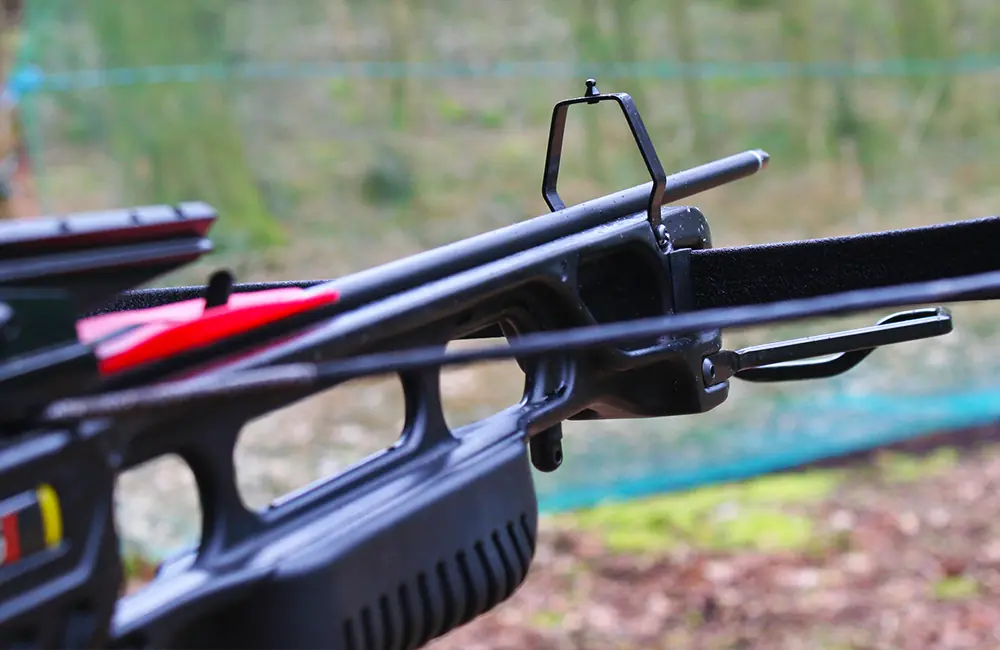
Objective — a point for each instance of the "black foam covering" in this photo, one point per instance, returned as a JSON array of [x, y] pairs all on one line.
[[146, 298], [746, 275]]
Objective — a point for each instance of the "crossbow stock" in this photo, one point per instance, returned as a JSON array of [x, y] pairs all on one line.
[[613, 308]]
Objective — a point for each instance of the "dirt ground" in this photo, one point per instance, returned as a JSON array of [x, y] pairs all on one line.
[[905, 557]]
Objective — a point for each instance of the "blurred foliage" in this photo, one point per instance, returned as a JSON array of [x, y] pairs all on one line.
[[178, 141], [170, 142], [416, 149], [389, 180]]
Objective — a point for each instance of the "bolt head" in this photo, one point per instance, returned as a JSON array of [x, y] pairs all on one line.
[[662, 236], [708, 370]]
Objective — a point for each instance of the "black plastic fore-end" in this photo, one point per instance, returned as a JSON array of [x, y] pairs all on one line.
[[405, 548]]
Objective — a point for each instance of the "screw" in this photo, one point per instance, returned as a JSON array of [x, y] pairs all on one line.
[[708, 370], [663, 236]]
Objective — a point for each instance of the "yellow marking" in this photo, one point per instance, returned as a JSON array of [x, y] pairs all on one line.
[[48, 503]]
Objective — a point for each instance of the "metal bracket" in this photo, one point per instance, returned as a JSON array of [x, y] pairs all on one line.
[[553, 153], [790, 360]]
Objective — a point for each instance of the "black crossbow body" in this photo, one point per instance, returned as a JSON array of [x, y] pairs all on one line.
[[613, 308]]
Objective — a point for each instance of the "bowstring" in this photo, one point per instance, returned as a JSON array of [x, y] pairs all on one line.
[[984, 286]]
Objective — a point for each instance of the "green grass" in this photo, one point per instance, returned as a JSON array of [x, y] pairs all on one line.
[[762, 514], [751, 515], [903, 468], [547, 620], [956, 588]]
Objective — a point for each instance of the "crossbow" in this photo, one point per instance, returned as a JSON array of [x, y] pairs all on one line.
[[612, 308]]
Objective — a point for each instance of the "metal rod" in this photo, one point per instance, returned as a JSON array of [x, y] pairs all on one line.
[[458, 256], [402, 274]]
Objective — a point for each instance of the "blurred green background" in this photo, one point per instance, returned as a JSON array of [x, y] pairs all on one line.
[[334, 135]]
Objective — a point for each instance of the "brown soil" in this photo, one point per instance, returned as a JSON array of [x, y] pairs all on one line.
[[913, 564]]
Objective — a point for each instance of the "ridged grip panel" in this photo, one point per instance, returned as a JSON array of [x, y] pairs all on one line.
[[448, 594]]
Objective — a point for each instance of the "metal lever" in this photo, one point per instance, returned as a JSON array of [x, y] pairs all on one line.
[[553, 153], [792, 360]]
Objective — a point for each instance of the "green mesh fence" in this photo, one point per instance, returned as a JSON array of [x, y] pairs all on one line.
[[343, 134]]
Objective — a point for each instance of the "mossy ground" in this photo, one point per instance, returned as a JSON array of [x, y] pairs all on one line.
[[769, 513], [757, 514], [901, 552]]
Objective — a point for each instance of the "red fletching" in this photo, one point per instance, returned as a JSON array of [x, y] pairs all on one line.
[[161, 332]]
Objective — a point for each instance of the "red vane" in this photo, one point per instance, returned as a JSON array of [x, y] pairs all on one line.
[[171, 329], [11, 539], [95, 327]]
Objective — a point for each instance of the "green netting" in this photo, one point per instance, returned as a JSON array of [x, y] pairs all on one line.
[[349, 133]]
